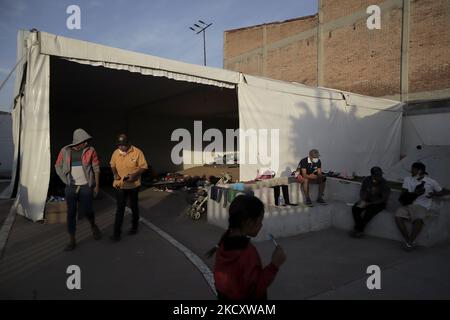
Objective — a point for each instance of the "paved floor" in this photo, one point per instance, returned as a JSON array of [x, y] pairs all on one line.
[[321, 265]]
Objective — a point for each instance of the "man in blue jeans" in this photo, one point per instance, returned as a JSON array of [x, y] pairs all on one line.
[[78, 167]]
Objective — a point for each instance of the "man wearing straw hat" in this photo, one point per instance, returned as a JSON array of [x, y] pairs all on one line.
[[78, 167]]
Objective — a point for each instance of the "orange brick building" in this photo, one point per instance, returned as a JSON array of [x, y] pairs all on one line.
[[408, 59]]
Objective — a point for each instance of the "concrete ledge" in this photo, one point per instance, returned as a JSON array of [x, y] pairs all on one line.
[[294, 220]]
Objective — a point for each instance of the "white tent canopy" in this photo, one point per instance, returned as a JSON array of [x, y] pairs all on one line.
[[69, 83]]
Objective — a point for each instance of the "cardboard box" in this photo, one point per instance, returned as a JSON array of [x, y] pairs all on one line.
[[56, 212]]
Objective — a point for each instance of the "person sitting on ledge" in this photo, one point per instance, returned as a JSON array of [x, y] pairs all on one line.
[[311, 171], [416, 200], [374, 195]]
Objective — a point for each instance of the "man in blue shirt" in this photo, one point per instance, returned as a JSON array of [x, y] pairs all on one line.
[[311, 170]]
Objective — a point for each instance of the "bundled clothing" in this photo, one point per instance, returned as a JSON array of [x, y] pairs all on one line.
[[238, 272]]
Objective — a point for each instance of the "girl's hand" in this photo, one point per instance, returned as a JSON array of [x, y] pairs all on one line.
[[278, 256]]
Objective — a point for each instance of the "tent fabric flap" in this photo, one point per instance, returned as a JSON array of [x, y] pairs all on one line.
[[95, 54], [34, 153], [351, 139]]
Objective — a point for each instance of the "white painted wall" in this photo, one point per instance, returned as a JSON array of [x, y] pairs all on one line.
[[429, 129]]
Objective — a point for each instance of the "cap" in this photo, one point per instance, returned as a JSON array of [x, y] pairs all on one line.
[[122, 140], [420, 166], [314, 153], [376, 171]]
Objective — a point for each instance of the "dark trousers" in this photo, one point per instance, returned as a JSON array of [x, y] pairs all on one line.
[[285, 189], [122, 195], [81, 197], [361, 220]]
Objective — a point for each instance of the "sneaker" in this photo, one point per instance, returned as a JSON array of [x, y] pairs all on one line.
[[115, 238], [322, 202], [356, 234], [308, 202]]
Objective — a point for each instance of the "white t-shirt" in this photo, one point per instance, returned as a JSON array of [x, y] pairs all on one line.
[[431, 185]]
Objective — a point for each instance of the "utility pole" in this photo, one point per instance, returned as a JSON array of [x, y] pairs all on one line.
[[201, 28]]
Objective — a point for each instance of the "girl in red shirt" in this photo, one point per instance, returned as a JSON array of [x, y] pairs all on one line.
[[238, 272]]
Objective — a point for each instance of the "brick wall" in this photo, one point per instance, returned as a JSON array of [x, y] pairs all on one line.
[[354, 58]]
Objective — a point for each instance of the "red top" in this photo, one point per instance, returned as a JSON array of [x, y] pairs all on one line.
[[239, 275]]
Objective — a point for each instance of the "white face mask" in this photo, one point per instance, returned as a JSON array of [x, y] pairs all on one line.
[[315, 160]]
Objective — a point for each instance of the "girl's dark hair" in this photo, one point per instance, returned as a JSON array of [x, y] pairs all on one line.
[[242, 209]]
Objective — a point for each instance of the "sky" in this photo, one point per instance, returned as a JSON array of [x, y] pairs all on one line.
[[156, 27]]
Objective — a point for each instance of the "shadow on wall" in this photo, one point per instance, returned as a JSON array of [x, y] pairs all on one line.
[[350, 139]]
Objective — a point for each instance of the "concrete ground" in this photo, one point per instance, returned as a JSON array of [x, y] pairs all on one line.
[[321, 265], [4, 204]]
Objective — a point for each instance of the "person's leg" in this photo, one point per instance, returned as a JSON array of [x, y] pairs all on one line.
[[134, 202], [370, 212], [417, 226], [276, 193], [121, 200], [357, 212], [305, 186], [401, 224], [321, 182], [287, 200], [86, 196], [71, 201]]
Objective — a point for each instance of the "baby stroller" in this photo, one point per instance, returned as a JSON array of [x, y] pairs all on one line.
[[200, 204]]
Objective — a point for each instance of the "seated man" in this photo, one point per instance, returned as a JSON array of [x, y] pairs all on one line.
[[374, 195], [416, 198], [311, 171]]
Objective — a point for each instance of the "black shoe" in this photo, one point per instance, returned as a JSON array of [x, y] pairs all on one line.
[[115, 238], [292, 204], [133, 231], [308, 202], [321, 202], [96, 232], [72, 243]]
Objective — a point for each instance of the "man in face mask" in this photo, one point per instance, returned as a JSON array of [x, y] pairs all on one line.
[[311, 171], [416, 198]]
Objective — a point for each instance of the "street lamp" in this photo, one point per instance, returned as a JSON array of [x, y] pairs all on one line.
[[197, 28]]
